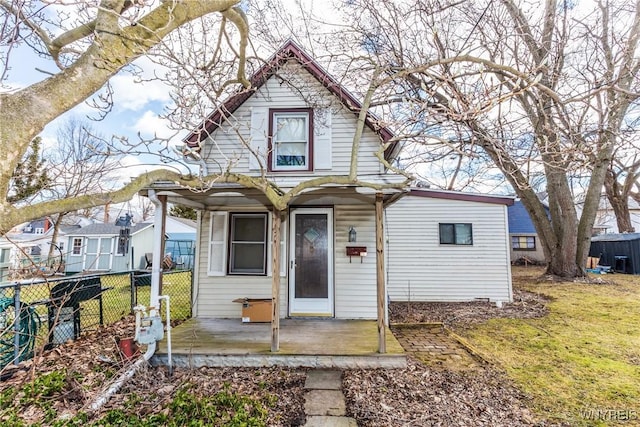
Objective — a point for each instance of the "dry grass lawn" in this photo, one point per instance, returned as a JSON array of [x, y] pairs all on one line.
[[581, 363]]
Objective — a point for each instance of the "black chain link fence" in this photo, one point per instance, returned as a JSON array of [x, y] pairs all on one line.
[[46, 312]]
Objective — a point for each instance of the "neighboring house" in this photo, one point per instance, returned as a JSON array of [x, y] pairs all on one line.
[[26, 247], [299, 123], [606, 218], [108, 247], [525, 243]]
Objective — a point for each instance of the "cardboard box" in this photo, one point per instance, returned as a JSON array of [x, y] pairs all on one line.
[[255, 310]]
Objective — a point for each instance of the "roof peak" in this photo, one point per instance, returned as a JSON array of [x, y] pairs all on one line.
[[289, 50]]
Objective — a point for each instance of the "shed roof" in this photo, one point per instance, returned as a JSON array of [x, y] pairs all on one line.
[[616, 237], [457, 195], [101, 229]]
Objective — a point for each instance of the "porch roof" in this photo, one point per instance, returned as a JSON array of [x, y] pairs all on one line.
[[231, 194]]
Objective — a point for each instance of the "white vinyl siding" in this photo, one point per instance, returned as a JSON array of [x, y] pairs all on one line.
[[333, 134], [419, 268], [355, 278]]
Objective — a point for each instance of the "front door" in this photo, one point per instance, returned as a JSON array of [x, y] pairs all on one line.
[[311, 263]]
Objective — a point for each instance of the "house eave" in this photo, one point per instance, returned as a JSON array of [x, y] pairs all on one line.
[[456, 195]]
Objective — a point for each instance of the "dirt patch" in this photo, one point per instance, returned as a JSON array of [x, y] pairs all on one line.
[[525, 305]]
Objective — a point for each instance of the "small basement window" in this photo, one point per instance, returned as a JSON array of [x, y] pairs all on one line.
[[456, 234]]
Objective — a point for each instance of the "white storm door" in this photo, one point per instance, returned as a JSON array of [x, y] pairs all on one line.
[[311, 262]]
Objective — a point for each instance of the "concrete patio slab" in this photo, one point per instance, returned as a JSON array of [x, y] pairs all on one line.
[[325, 343]]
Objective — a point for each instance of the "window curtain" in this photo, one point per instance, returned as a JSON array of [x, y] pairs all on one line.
[[291, 141]]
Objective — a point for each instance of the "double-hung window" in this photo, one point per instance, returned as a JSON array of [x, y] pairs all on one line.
[[248, 243], [77, 246], [291, 140], [456, 234]]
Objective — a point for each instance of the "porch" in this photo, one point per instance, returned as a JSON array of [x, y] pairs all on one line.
[[314, 343]]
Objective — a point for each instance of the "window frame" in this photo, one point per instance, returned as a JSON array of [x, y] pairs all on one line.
[[272, 157], [513, 240], [455, 241], [78, 247], [231, 244]]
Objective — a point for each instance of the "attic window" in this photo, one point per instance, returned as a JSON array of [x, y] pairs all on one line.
[[291, 140]]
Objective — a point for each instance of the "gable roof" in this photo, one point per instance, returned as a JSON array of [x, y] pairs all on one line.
[[290, 50], [107, 229], [519, 219]]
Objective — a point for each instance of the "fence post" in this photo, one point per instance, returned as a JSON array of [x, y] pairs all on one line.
[[134, 296], [16, 325]]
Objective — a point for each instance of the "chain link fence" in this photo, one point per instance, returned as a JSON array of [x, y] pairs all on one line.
[[46, 312]]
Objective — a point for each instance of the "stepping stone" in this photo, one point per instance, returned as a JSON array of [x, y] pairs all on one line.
[[324, 402], [323, 379], [321, 421]]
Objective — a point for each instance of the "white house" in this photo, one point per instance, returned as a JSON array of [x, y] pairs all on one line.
[[26, 247], [295, 125], [108, 247]]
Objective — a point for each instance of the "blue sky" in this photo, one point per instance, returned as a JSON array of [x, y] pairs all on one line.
[[136, 105]]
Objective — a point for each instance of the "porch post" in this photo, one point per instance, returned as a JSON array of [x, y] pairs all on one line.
[[275, 280], [382, 345]]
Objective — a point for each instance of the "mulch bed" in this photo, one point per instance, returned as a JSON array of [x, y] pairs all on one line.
[[525, 305]]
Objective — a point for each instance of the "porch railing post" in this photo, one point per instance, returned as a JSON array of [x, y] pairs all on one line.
[[382, 345], [275, 283]]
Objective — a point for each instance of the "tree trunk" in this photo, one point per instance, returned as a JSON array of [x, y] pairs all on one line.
[[54, 236], [619, 200]]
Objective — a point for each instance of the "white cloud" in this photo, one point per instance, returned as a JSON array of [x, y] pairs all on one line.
[[130, 94], [150, 124]]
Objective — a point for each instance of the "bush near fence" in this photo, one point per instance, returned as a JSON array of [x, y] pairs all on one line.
[[49, 311]]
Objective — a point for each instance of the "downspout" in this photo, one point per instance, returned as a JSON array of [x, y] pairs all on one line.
[[115, 387], [204, 170], [156, 260]]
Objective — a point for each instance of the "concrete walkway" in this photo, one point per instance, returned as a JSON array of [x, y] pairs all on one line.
[[324, 402]]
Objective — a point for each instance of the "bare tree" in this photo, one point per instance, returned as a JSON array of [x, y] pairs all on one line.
[[78, 165], [543, 91], [89, 42]]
